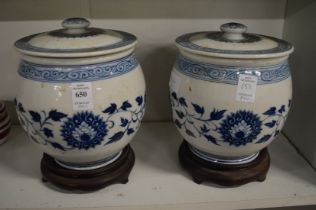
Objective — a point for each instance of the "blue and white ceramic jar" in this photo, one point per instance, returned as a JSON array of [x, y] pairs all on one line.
[[230, 92], [82, 94]]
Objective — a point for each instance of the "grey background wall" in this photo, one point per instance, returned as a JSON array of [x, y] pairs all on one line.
[[300, 29]]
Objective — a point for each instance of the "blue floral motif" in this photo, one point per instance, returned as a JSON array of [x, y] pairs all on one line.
[[125, 124], [230, 74], [39, 124], [84, 73], [240, 128], [84, 130], [235, 128]]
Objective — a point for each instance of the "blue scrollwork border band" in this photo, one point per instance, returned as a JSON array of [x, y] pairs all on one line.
[[77, 73], [229, 74]]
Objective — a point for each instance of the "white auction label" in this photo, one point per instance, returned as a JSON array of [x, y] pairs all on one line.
[[246, 89], [174, 82], [82, 96]]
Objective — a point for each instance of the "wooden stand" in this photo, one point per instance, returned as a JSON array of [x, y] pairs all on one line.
[[225, 175], [88, 180]]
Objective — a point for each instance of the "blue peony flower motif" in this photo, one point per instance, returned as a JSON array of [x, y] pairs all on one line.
[[240, 128], [84, 130]]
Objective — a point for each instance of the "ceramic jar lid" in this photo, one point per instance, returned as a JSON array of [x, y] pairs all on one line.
[[76, 39], [233, 42]]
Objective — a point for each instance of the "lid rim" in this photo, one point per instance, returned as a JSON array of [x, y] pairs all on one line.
[[282, 49], [23, 46], [237, 56], [77, 55]]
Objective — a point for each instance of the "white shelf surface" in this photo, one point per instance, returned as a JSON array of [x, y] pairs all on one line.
[[156, 181]]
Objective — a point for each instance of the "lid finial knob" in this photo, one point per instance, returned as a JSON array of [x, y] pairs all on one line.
[[75, 23], [233, 31]]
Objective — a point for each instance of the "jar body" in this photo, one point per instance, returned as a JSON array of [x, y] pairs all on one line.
[[207, 114], [46, 111]]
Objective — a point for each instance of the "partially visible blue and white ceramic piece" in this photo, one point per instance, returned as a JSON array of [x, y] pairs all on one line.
[[5, 123], [203, 89], [103, 60]]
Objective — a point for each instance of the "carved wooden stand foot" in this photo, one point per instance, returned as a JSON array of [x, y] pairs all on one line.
[[88, 180], [224, 175]]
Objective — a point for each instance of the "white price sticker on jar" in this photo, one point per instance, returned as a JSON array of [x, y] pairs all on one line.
[[246, 89], [82, 96]]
